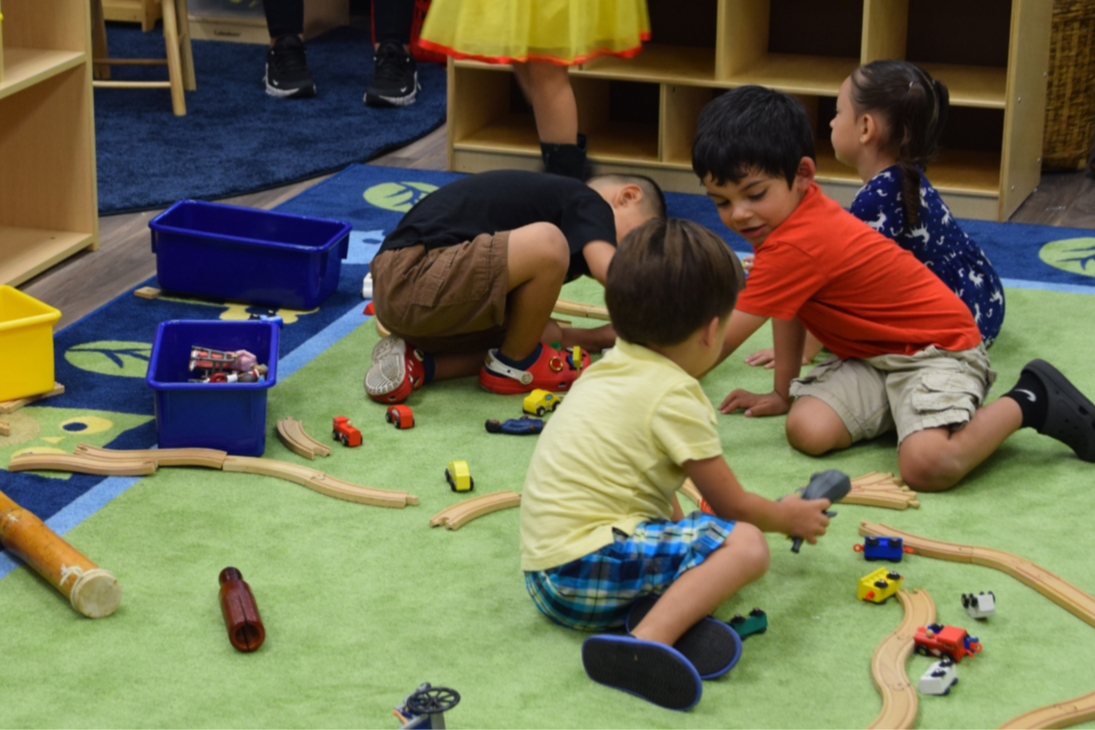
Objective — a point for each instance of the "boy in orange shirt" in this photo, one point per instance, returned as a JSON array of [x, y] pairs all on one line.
[[907, 354]]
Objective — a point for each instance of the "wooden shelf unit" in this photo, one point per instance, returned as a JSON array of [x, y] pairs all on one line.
[[48, 200], [996, 77]]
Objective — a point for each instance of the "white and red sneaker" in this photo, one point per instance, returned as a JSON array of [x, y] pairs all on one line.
[[396, 372], [554, 370]]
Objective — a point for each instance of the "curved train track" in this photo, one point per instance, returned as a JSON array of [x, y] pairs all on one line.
[[899, 700], [461, 513], [1053, 587], [291, 433]]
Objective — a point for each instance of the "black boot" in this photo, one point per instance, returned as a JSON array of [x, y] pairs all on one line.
[[568, 160]]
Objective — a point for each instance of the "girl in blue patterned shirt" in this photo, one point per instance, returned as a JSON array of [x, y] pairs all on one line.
[[889, 116]]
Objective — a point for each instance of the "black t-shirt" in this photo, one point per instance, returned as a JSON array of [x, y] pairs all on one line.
[[502, 200]]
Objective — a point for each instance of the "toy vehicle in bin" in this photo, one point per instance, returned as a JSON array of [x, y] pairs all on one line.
[[882, 548], [402, 416], [939, 640], [979, 606], [878, 585], [539, 402], [518, 426], [458, 476], [345, 432], [939, 678]]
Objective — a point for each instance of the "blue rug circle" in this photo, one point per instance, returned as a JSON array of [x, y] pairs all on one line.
[[235, 138]]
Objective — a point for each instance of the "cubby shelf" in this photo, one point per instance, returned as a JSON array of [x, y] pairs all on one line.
[[996, 79], [48, 201]]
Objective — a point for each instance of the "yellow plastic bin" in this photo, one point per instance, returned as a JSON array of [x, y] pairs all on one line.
[[26, 344]]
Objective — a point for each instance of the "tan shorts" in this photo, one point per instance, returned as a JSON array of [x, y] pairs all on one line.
[[929, 389], [446, 300]]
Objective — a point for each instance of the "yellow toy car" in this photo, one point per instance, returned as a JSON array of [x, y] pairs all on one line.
[[539, 402], [459, 476], [878, 585]]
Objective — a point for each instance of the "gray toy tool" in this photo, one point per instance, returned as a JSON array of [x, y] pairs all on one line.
[[832, 485]]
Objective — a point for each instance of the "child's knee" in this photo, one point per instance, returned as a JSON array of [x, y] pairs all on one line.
[[750, 549], [927, 470], [806, 435], [549, 244]]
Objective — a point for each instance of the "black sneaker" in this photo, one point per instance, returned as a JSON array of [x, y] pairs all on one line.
[[395, 82], [287, 74]]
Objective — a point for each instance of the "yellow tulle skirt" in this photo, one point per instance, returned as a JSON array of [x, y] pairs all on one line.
[[564, 32]]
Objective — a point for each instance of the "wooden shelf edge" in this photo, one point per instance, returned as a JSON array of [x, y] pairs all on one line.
[[37, 250], [25, 67]]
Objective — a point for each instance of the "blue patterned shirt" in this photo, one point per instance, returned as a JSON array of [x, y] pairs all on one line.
[[938, 242]]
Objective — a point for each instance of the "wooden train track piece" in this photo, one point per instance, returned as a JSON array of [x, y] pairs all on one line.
[[577, 309], [1059, 714], [208, 458], [291, 433], [690, 490], [82, 465], [899, 700], [147, 292], [318, 481], [1056, 589], [881, 490], [11, 406], [460, 514], [5, 428]]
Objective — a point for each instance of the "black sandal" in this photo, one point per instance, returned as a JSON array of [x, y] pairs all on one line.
[[647, 669], [713, 647], [1070, 417]]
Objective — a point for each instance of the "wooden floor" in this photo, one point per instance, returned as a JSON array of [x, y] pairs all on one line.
[[87, 281]]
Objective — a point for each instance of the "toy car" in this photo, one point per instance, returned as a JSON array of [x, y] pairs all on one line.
[[459, 477], [755, 623], [517, 426], [345, 432], [879, 585], [979, 606], [882, 548], [939, 640], [401, 416], [939, 678], [539, 402]]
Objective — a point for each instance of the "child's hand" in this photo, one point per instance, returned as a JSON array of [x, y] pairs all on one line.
[[747, 262], [805, 518], [767, 358], [754, 404]]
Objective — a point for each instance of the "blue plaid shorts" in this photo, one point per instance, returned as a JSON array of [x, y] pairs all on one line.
[[595, 593]]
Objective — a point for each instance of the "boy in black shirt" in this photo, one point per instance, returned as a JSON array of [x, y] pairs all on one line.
[[473, 271]]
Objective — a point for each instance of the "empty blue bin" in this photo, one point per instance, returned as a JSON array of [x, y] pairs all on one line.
[[248, 255], [226, 416]]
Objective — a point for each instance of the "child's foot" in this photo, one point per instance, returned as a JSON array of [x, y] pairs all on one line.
[[710, 645], [549, 370], [653, 671], [1069, 415], [396, 372]]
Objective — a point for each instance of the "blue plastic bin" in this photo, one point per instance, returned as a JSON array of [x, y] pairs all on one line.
[[226, 416], [248, 255]]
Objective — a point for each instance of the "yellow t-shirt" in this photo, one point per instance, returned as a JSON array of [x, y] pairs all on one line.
[[611, 456]]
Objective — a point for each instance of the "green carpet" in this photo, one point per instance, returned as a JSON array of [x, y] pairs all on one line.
[[362, 604]]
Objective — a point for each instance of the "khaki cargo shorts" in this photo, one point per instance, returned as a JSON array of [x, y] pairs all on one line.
[[928, 389], [448, 299]]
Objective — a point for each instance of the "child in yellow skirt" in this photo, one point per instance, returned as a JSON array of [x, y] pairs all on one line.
[[541, 39]]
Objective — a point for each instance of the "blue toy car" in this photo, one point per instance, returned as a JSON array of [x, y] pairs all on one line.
[[882, 548], [517, 426]]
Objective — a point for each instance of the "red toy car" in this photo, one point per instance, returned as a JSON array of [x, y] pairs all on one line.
[[940, 640], [345, 432], [401, 416]]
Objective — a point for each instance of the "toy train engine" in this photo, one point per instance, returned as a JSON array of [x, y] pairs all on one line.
[[939, 640], [755, 623], [939, 678], [344, 431], [882, 548], [878, 586], [979, 606]]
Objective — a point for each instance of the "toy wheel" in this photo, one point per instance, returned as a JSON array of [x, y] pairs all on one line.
[[432, 700], [540, 411], [395, 420], [335, 434], [449, 479], [344, 439], [921, 650], [388, 417], [471, 483]]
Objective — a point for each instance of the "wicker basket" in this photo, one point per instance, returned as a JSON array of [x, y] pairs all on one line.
[[1070, 95]]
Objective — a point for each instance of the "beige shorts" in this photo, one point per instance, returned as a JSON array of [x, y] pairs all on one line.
[[929, 389], [449, 299]]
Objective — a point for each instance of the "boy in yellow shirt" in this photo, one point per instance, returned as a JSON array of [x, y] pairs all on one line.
[[600, 524]]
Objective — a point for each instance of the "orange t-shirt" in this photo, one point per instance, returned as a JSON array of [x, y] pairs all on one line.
[[859, 292]]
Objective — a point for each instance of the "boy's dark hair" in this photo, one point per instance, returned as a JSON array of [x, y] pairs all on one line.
[[914, 108], [653, 197], [752, 128], [667, 279]]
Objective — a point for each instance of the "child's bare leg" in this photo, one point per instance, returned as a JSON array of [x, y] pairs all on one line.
[[457, 364], [538, 262], [814, 428], [740, 560], [594, 339], [547, 87], [937, 458]]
